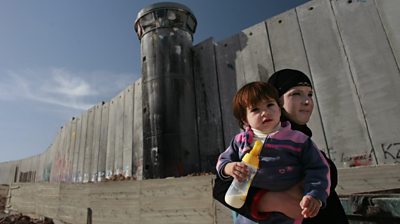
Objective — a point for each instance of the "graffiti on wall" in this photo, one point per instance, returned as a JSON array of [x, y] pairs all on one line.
[[47, 172], [351, 160], [29, 176], [357, 160], [391, 151]]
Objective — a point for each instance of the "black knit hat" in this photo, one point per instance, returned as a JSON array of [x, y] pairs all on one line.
[[285, 79]]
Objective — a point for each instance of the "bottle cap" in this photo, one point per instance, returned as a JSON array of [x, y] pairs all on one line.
[[252, 156]]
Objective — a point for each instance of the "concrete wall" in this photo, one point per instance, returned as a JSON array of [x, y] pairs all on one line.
[[350, 49], [3, 197], [99, 144], [354, 70], [175, 200], [178, 200]]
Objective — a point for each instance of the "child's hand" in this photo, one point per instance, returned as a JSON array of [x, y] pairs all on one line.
[[237, 170], [310, 206]]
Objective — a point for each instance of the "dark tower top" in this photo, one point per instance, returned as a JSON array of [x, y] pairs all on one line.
[[165, 15]]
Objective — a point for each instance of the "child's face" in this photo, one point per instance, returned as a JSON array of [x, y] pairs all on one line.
[[264, 116], [298, 104]]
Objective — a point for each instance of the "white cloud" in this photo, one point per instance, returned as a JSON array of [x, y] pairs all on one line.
[[60, 87], [66, 84]]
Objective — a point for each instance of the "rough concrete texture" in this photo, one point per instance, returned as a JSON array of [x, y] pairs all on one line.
[[173, 200], [22, 219], [3, 197]]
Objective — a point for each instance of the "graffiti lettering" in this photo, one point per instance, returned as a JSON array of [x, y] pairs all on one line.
[[391, 150], [29, 176]]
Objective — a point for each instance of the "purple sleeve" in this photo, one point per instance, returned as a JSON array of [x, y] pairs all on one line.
[[317, 174], [231, 154]]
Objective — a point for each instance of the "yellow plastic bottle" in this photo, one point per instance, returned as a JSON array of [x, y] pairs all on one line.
[[237, 192]]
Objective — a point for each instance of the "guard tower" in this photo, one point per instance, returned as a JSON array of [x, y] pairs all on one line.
[[170, 145]]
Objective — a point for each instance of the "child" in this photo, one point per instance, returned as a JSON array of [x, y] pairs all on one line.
[[287, 158]]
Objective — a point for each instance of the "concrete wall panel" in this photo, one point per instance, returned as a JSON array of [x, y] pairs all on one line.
[[22, 169], [229, 78], [286, 42], [71, 149], [137, 154], [119, 133], [60, 153], [63, 149], [176, 200], [89, 145], [4, 168], [115, 202], [54, 157], [38, 166], [128, 122], [15, 170], [95, 143], [48, 196], [358, 179], [31, 161], [82, 145], [113, 127], [191, 202], [73, 204], [208, 105], [7, 171], [24, 198], [103, 142], [112, 119], [47, 165], [375, 73], [66, 153], [288, 52], [341, 112], [76, 149], [39, 173], [256, 53], [390, 16]]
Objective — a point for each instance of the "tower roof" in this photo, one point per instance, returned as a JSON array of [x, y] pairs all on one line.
[[165, 15]]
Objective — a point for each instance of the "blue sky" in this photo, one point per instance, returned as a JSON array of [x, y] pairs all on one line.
[[59, 58]]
